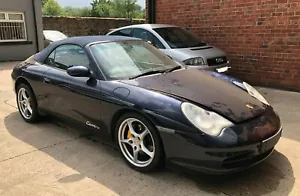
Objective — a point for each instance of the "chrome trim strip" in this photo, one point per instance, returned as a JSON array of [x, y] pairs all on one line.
[[270, 138]]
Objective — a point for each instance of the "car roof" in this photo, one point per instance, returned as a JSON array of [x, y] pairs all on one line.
[[149, 26], [85, 40], [80, 41]]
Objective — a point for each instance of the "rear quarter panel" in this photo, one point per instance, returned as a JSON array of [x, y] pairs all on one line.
[[34, 73]]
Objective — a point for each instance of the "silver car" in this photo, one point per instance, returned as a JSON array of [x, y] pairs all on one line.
[[179, 44], [52, 36]]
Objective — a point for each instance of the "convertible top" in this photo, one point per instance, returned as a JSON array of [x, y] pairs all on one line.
[[84, 40], [80, 41]]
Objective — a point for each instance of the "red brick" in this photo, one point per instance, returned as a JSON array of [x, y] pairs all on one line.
[[277, 14], [232, 26], [282, 1]]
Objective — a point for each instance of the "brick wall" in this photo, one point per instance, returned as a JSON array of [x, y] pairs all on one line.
[[261, 37], [86, 25]]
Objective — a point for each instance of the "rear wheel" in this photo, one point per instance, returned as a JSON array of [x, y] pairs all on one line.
[[139, 142], [27, 104]]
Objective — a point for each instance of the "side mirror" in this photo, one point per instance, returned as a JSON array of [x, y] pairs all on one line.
[[79, 71]]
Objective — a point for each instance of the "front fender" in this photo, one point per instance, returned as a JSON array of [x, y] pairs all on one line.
[[226, 78]]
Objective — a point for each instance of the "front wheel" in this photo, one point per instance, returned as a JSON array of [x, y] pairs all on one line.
[[139, 142]]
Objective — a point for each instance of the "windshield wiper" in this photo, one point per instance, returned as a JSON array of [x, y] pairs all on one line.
[[172, 69], [147, 73]]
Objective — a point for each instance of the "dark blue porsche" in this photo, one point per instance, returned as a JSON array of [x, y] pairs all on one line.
[[154, 109]]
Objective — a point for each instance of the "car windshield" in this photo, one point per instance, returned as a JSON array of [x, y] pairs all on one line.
[[54, 35], [129, 59], [177, 37]]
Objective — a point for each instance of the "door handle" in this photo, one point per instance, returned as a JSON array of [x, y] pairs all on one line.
[[46, 80]]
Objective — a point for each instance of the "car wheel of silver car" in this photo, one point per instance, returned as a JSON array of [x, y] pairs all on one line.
[[139, 142], [27, 104]]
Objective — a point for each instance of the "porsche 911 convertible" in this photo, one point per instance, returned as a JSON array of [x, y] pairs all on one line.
[[154, 109]]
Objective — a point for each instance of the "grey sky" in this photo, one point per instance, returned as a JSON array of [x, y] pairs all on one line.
[[82, 3]]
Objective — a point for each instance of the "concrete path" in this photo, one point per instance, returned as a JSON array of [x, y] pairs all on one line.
[[48, 159]]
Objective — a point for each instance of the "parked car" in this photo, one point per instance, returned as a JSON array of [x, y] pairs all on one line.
[[151, 107], [179, 44], [51, 36]]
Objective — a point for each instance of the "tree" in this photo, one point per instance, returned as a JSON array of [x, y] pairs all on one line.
[[52, 8], [81, 12], [127, 9], [104, 9], [94, 4], [44, 2], [136, 12], [101, 8], [84, 12], [142, 14], [131, 7]]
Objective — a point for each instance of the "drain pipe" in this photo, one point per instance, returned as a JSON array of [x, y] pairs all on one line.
[[35, 27], [151, 11]]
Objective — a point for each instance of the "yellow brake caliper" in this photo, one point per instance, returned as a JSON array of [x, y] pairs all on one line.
[[128, 134]]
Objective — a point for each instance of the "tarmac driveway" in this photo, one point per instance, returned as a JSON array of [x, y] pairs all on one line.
[[51, 159]]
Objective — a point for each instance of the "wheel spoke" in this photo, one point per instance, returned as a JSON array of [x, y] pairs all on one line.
[[148, 152], [29, 109], [23, 104], [22, 107], [127, 141], [135, 155], [144, 133], [129, 123], [24, 95]]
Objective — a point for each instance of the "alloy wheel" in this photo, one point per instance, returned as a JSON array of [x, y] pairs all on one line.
[[24, 102], [136, 142]]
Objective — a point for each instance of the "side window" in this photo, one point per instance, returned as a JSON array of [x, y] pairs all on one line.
[[123, 32], [50, 60], [147, 36], [66, 56]]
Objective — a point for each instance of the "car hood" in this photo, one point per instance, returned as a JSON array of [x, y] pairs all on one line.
[[206, 91], [206, 52]]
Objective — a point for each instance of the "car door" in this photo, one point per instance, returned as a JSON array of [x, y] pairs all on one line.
[[77, 98]]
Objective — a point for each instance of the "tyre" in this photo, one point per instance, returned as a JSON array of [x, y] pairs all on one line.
[[139, 142], [27, 104]]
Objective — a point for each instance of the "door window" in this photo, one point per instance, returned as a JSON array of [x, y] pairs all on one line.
[[66, 56], [123, 32], [147, 36]]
